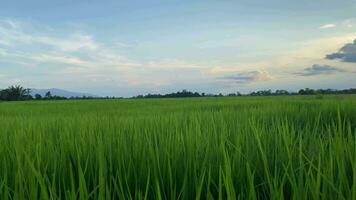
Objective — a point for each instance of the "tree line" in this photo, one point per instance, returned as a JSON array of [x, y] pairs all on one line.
[[306, 91], [19, 93]]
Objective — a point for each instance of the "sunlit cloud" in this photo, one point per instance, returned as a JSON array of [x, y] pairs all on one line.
[[327, 26]]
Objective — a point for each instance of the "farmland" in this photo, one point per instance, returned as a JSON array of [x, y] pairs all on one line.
[[294, 147]]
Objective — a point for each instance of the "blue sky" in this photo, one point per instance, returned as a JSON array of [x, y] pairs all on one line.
[[126, 48]]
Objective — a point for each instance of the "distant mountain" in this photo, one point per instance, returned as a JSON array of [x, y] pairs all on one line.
[[60, 92]]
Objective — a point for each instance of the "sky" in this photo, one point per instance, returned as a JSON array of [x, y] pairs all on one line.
[[126, 48]]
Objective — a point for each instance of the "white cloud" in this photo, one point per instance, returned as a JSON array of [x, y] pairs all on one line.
[[75, 59], [79, 57], [14, 33], [48, 58], [349, 23], [42, 47], [172, 64], [326, 26], [73, 43], [13, 24], [2, 52]]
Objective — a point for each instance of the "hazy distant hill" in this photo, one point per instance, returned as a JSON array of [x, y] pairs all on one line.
[[60, 92]]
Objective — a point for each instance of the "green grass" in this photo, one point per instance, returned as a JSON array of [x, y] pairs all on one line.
[[301, 147]]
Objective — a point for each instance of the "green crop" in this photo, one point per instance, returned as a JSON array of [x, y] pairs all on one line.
[[295, 147]]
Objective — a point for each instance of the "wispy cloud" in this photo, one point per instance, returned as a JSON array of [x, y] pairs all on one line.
[[172, 64], [13, 35], [326, 26], [49, 58], [9, 23], [317, 69], [71, 49], [52, 56], [73, 43], [349, 23], [82, 57]]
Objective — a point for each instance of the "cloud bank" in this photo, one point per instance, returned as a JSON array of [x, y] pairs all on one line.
[[346, 54], [249, 76], [317, 69]]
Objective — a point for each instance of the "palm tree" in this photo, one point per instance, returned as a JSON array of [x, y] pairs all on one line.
[[48, 95], [15, 93]]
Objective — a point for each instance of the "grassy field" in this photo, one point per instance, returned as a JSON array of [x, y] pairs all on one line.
[[301, 147]]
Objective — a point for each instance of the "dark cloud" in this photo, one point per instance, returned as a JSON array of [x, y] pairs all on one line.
[[250, 76], [346, 54], [319, 70]]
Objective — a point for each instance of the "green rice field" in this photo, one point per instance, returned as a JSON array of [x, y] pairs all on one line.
[[295, 147]]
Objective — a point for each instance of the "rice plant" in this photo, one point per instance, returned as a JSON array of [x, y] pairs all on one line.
[[300, 147]]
